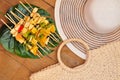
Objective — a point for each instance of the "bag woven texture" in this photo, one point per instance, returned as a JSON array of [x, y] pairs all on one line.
[[101, 64]]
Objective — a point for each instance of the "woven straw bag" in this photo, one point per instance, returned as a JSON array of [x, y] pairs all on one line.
[[101, 64]]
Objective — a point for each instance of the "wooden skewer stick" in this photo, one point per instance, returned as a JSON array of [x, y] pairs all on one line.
[[17, 17], [11, 18], [54, 37], [40, 54], [51, 48], [28, 4], [42, 48], [25, 7], [51, 44], [20, 12], [57, 35], [47, 48], [6, 24]]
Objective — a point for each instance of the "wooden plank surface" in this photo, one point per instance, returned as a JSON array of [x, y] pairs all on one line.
[[51, 2], [13, 67], [8, 66]]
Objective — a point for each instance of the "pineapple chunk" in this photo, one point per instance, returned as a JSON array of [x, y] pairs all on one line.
[[27, 24], [33, 41], [34, 50], [31, 21], [35, 15], [34, 30], [35, 10], [36, 19], [43, 19], [13, 32], [39, 20], [21, 22], [47, 41], [38, 15], [31, 15], [24, 30], [27, 18], [46, 22], [43, 41], [52, 29], [46, 32], [17, 26], [31, 26]]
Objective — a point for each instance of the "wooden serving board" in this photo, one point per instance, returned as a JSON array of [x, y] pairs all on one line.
[[13, 67]]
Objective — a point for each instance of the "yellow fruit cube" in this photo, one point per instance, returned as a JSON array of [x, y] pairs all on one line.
[[46, 22], [24, 30], [36, 19], [21, 22], [27, 24], [31, 26], [34, 50], [43, 41], [52, 29], [34, 30], [27, 18], [35, 10], [33, 41]]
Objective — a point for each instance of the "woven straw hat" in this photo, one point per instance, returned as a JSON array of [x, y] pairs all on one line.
[[71, 23], [101, 64]]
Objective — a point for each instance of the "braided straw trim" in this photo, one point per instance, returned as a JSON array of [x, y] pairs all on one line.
[[102, 64], [71, 23]]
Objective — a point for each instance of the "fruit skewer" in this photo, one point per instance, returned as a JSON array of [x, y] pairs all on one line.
[[20, 27], [37, 43], [18, 18], [39, 55], [52, 36], [34, 11]]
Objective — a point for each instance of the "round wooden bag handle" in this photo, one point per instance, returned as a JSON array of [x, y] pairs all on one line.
[[61, 46]]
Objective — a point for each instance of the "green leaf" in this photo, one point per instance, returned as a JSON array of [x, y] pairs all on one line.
[[10, 43]]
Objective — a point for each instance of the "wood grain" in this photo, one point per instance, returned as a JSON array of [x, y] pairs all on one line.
[[8, 66], [51, 2], [13, 67], [21, 74]]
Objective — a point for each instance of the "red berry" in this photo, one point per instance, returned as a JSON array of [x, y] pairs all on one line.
[[20, 28]]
